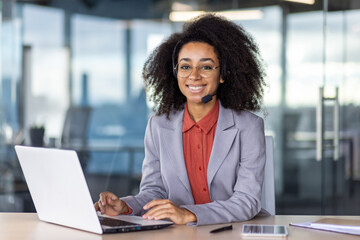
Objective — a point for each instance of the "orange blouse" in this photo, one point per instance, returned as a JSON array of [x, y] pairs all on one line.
[[198, 139]]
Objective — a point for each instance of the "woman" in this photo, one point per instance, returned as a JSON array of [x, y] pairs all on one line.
[[204, 152]]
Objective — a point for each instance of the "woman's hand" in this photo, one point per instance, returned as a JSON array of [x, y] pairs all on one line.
[[164, 208], [110, 204]]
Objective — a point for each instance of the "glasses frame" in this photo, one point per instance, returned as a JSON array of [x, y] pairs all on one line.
[[192, 68]]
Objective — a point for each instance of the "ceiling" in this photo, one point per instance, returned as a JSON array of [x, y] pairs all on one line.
[[144, 9]]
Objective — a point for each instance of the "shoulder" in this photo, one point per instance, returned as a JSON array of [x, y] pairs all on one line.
[[241, 118], [162, 121], [248, 122], [250, 127], [246, 116]]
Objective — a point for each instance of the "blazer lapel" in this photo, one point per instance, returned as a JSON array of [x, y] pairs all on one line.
[[172, 138], [223, 140]]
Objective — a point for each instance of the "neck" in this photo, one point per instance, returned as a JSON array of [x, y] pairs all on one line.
[[198, 110]]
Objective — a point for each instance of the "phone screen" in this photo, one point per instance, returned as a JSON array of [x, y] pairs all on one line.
[[257, 229]]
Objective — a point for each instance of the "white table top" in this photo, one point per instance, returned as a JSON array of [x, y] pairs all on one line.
[[27, 226]]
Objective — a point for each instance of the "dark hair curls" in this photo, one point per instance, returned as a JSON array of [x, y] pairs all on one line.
[[240, 65]]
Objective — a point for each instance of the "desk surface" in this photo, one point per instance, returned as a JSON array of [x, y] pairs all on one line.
[[27, 226]]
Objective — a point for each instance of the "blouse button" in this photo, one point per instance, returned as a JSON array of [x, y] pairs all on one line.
[[200, 168], [198, 146], [197, 126], [204, 189]]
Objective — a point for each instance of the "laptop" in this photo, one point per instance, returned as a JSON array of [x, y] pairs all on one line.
[[60, 193]]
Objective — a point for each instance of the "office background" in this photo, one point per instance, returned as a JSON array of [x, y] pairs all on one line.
[[71, 78]]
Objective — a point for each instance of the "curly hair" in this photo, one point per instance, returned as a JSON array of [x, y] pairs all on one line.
[[240, 65]]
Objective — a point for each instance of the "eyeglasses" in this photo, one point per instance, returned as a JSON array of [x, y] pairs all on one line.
[[205, 70]]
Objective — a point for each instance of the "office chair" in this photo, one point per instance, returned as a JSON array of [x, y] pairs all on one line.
[[76, 127], [268, 188], [75, 132]]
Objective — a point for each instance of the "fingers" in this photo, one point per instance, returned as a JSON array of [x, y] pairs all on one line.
[[111, 200], [161, 213], [156, 209], [164, 208], [102, 198], [107, 202], [160, 209], [102, 202], [107, 198], [96, 205], [156, 202], [164, 214]]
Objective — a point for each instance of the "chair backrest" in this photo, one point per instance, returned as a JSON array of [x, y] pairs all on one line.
[[76, 126], [268, 189]]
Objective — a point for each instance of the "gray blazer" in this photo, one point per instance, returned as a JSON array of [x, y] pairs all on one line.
[[235, 172]]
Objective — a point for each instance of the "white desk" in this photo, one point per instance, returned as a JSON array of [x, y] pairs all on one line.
[[27, 226]]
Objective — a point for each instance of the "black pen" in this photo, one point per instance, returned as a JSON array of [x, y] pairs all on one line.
[[221, 229]]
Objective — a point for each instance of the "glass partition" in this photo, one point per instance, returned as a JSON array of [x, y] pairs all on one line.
[[45, 60], [10, 125], [319, 47], [98, 58]]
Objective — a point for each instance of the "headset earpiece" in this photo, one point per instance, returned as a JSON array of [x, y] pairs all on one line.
[[173, 59]]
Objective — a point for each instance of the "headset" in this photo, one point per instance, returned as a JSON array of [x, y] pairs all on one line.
[[173, 59]]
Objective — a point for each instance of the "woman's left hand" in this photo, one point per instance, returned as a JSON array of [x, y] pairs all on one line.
[[164, 208]]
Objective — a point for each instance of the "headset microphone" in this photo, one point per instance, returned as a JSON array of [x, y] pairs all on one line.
[[207, 98]]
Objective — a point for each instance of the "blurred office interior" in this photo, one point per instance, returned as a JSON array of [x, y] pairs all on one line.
[[70, 77]]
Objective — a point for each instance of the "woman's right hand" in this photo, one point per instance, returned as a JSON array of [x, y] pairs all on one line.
[[110, 204]]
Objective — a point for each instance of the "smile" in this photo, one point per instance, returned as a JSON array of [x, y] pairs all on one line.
[[196, 87]]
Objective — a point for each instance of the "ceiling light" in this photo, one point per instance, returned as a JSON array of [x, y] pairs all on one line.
[[234, 15], [310, 2], [237, 15], [183, 16]]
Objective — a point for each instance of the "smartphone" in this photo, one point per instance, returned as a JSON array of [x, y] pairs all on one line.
[[259, 230]]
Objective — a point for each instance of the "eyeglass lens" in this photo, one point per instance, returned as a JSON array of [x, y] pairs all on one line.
[[205, 70]]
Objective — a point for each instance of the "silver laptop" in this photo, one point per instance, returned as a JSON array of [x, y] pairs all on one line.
[[60, 194]]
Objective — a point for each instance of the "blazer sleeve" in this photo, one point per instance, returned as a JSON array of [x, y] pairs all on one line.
[[151, 186], [244, 203]]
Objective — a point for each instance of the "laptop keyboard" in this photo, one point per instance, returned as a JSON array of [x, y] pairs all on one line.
[[115, 222]]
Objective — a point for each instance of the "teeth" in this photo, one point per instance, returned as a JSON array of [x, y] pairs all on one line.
[[195, 88]]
